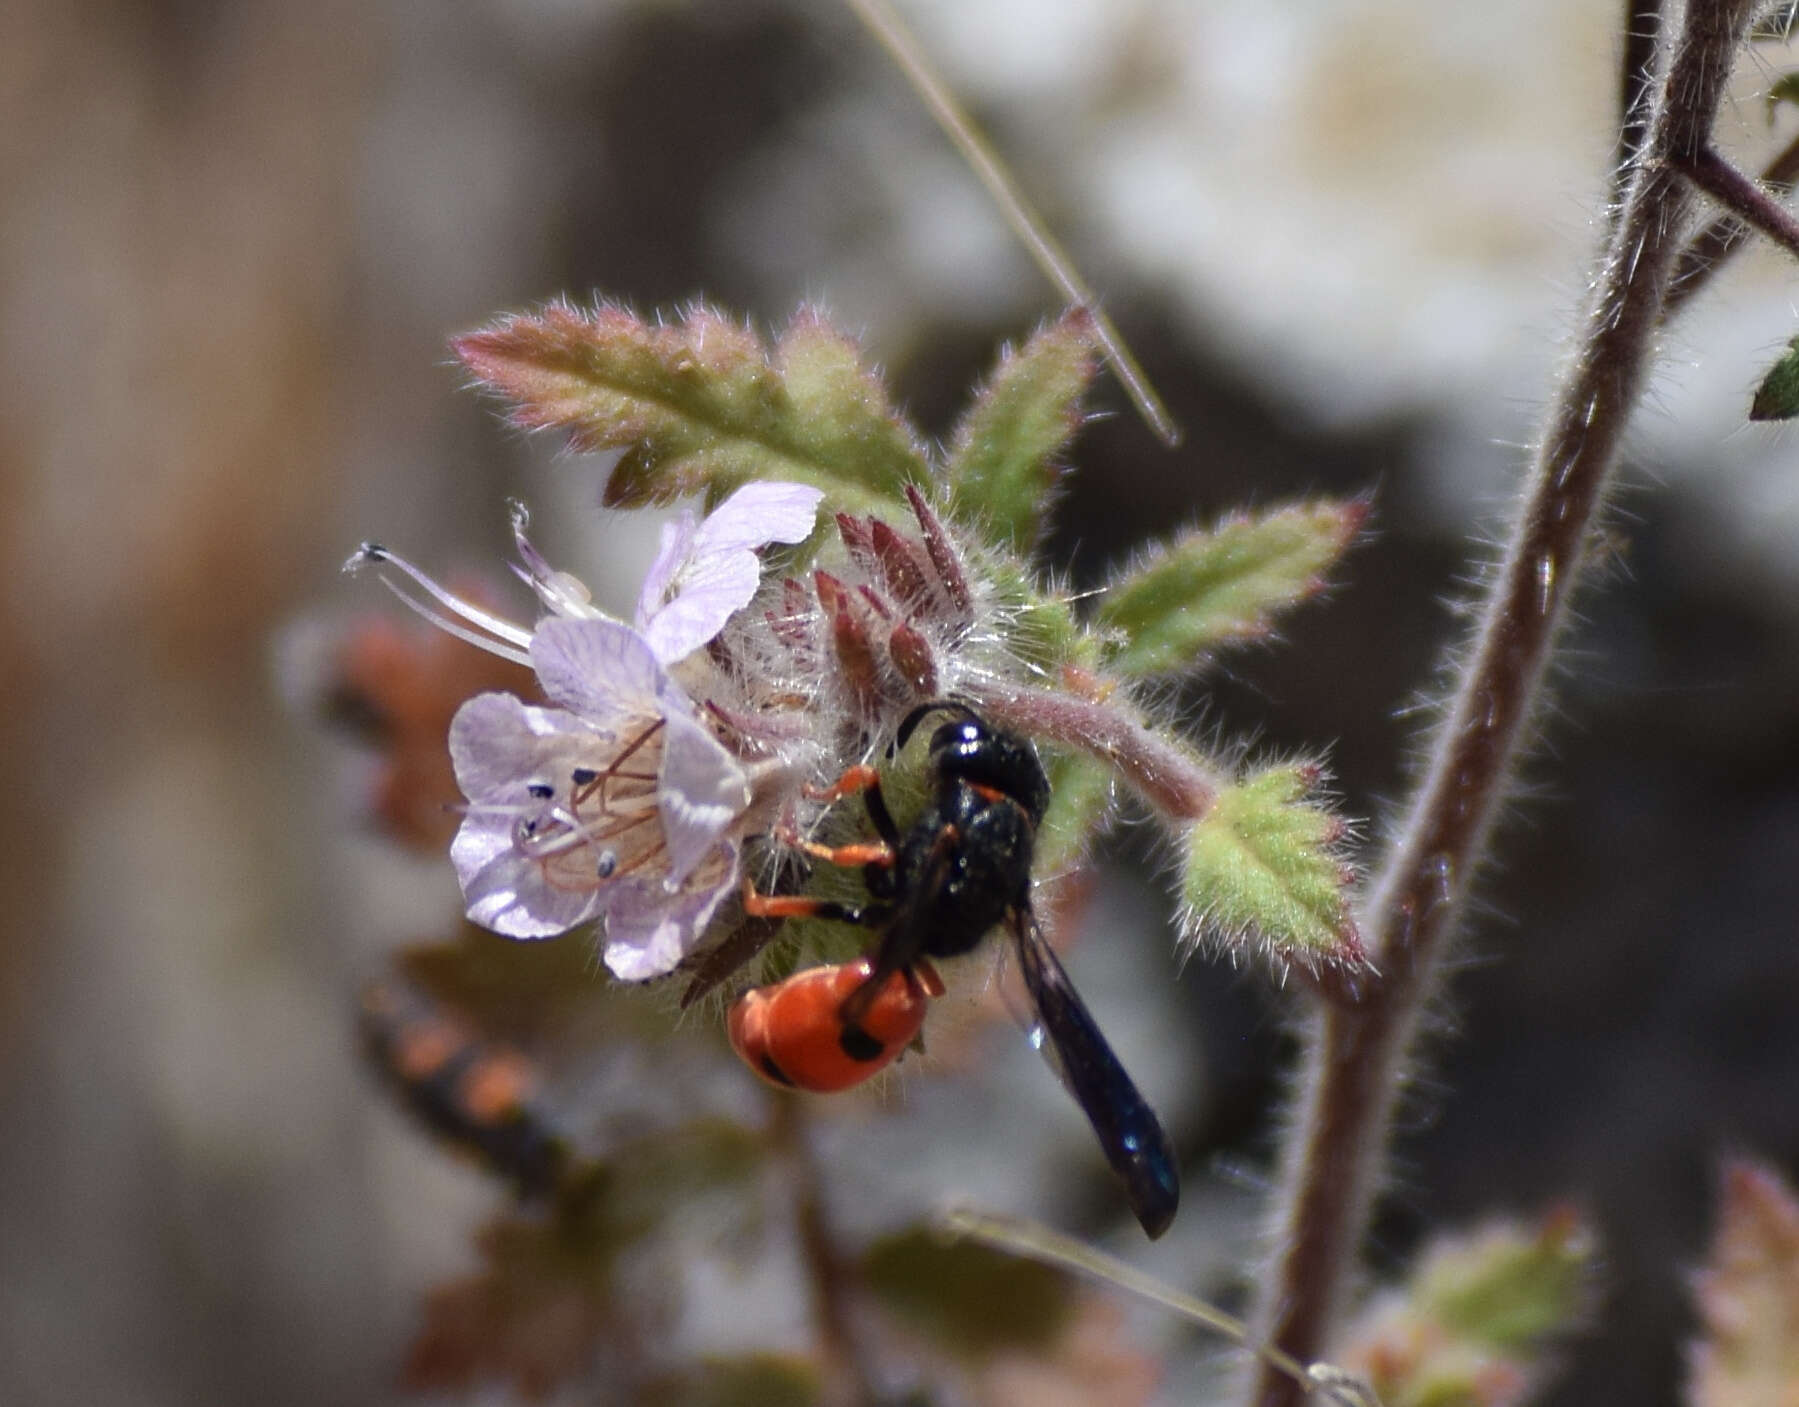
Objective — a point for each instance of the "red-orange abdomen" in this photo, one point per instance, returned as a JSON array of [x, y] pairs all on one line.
[[793, 1033]]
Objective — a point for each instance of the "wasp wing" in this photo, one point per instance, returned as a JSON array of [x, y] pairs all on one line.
[[1130, 1134]]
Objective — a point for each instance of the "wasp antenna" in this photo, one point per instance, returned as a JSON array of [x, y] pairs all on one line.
[[909, 724]]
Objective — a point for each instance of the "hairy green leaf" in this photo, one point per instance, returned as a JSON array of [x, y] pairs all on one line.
[[1039, 628], [1478, 1321], [533, 1312], [1508, 1287], [1002, 467], [701, 405], [1261, 867], [1777, 398], [1209, 588], [1080, 801]]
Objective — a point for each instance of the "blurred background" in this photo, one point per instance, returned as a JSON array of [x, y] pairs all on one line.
[[1346, 240]]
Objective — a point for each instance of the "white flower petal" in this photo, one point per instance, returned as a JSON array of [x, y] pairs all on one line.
[[703, 576], [757, 514], [504, 890], [648, 934], [600, 669], [499, 746], [711, 593], [671, 556]]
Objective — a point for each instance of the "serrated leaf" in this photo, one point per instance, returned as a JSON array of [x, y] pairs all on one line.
[[1002, 466], [1261, 867], [1477, 1322], [663, 1174], [1748, 1296], [1210, 588], [971, 1299], [700, 405], [1777, 398], [1509, 1287]]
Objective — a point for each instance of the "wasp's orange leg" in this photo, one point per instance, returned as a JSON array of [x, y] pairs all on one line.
[[867, 852], [854, 781], [865, 781], [759, 905]]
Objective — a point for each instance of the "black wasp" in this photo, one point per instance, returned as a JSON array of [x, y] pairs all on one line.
[[937, 889]]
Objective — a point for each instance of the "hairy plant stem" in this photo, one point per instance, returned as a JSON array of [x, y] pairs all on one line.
[[1709, 250], [1737, 193], [1168, 777], [1356, 1057]]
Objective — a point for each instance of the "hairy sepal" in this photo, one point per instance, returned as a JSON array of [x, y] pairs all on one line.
[[1003, 465], [1224, 584], [1261, 870], [701, 405]]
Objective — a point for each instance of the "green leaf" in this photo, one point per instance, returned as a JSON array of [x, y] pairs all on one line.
[[1209, 588], [1777, 398], [1261, 867], [1040, 629], [1002, 467], [972, 1299], [543, 1297], [701, 405], [1080, 800], [1508, 1287], [1478, 1321], [662, 1175]]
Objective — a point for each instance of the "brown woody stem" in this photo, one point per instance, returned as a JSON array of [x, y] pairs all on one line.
[[1356, 1058]]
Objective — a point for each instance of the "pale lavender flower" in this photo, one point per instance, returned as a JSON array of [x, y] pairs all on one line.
[[706, 572], [617, 801]]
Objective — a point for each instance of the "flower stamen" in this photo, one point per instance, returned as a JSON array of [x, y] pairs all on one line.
[[513, 640]]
